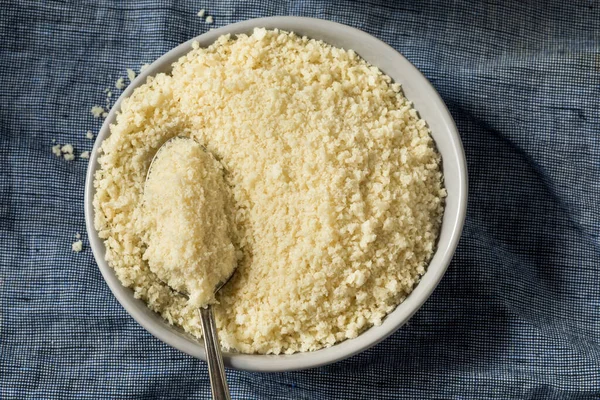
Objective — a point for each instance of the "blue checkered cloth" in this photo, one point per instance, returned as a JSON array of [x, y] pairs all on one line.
[[517, 315]]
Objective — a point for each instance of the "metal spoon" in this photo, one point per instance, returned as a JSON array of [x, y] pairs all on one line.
[[212, 347]]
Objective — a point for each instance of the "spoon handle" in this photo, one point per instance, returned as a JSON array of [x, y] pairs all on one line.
[[214, 358]]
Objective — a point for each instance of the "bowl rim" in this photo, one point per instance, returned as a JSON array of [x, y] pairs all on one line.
[[452, 224]]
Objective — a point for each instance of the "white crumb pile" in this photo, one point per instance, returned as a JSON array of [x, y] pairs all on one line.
[[207, 18], [187, 223], [77, 246], [130, 74], [56, 150], [120, 82], [65, 151], [97, 111], [336, 182]]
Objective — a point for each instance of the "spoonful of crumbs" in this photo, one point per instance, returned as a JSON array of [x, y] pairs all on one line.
[[189, 232], [188, 229]]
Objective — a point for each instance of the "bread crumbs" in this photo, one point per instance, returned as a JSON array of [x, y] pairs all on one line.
[[337, 187]]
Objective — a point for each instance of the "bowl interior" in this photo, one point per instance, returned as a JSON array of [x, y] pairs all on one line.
[[431, 108]]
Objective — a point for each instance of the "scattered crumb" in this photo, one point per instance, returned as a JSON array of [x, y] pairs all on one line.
[[53, 140], [67, 148], [143, 67], [67, 152], [77, 246], [77, 235], [85, 154], [209, 19], [97, 111], [89, 135], [56, 150], [201, 13], [109, 94], [120, 84], [104, 114], [130, 74]]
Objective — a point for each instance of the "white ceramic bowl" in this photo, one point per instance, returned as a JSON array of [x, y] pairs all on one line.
[[431, 108]]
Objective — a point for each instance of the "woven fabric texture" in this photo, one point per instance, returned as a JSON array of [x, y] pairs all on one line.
[[517, 314]]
